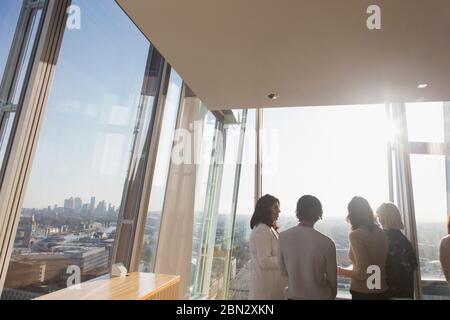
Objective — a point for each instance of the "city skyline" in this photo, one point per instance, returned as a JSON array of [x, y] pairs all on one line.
[[62, 203]]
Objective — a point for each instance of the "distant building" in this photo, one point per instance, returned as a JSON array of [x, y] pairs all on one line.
[[36, 269], [25, 232], [78, 204], [233, 268], [92, 205], [111, 209], [49, 231], [101, 208], [93, 260], [85, 209], [69, 204]]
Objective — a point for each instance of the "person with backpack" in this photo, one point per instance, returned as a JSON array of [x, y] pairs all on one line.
[[401, 261]]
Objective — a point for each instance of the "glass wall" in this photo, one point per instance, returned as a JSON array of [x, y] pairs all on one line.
[[426, 124], [333, 153], [161, 173], [220, 253], [75, 189], [238, 284], [217, 190], [203, 189]]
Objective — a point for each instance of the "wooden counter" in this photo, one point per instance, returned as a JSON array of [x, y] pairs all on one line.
[[136, 286]]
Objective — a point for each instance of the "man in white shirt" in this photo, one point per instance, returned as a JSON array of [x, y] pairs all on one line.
[[307, 257]]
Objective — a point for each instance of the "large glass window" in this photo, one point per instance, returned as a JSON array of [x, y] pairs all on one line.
[[19, 25], [9, 15], [430, 172], [216, 204], [239, 274], [160, 176], [75, 188], [425, 121], [203, 189], [232, 144], [333, 153]]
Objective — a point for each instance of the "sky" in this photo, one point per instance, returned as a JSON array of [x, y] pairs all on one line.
[[333, 153], [337, 152], [9, 14], [85, 141]]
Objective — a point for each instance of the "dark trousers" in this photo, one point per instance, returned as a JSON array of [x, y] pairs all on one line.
[[369, 296]]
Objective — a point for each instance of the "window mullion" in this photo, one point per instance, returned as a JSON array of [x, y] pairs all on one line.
[[404, 183]]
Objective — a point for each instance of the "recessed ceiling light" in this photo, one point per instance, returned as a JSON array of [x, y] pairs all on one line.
[[272, 96], [422, 86]]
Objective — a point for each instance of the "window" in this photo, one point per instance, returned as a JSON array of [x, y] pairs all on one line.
[[217, 190], [203, 189], [160, 176], [221, 264], [19, 25], [239, 274], [75, 188], [9, 16], [429, 171], [333, 153], [425, 121]]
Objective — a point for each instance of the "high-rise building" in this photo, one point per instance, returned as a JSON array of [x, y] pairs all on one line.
[[78, 204], [92, 205], [101, 208], [26, 232], [69, 204]]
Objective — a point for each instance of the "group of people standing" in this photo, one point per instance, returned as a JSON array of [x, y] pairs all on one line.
[[300, 263]]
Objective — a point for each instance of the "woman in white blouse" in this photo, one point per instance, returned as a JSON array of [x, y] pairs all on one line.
[[266, 281]]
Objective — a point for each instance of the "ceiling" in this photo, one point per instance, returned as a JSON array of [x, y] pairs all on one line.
[[233, 53]]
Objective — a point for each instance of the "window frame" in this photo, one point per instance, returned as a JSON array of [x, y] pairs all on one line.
[[24, 137]]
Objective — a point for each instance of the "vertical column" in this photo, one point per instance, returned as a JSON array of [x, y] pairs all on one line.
[[389, 156], [405, 194], [174, 251], [237, 182], [258, 169], [133, 208]]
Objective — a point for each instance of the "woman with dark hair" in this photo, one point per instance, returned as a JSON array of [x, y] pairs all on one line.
[[368, 252], [401, 260], [266, 281], [444, 253]]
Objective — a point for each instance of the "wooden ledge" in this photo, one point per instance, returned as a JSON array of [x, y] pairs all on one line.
[[135, 286]]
